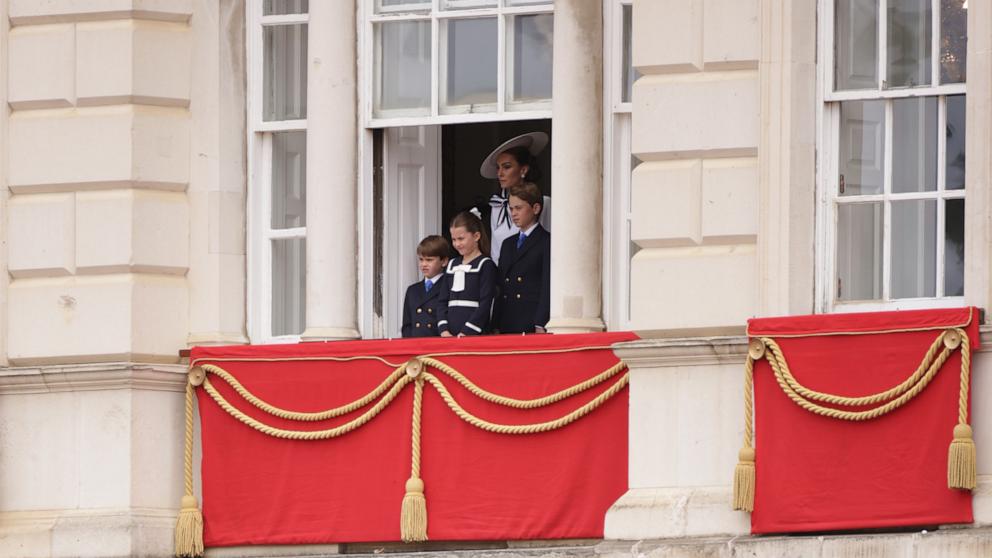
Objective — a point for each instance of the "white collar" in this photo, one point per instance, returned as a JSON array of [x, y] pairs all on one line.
[[530, 229], [434, 279]]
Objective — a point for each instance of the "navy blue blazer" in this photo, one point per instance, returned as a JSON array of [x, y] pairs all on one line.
[[466, 308], [525, 282], [421, 310]]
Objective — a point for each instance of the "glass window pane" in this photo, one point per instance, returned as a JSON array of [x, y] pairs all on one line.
[[954, 150], [914, 144], [289, 293], [953, 40], [862, 147], [629, 73], [289, 179], [954, 248], [467, 4], [856, 44], [859, 251], [532, 47], [403, 53], [283, 7], [914, 249], [285, 72], [909, 32], [401, 6], [469, 68]]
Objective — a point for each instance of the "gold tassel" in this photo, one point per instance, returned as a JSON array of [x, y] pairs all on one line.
[[961, 459], [744, 481], [189, 529], [413, 514]]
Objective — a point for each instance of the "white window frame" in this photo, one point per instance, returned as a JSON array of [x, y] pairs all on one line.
[[828, 126], [436, 16], [617, 126], [260, 137]]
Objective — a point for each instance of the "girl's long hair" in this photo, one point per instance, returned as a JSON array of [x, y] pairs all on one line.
[[473, 224]]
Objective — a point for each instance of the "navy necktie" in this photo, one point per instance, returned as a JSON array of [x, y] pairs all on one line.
[[520, 240], [427, 285]]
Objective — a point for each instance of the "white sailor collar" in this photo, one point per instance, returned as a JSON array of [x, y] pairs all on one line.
[[468, 267]]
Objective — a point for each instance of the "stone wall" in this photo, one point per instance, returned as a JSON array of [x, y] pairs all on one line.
[[696, 131]]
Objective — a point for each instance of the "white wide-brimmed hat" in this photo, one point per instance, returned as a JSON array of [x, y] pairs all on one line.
[[533, 141]]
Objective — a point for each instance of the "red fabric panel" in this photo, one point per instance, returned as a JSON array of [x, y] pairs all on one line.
[[816, 473], [861, 322], [479, 486]]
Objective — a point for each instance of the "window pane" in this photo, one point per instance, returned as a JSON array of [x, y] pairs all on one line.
[[856, 44], [954, 179], [953, 40], [282, 7], [909, 43], [289, 291], [914, 144], [914, 249], [862, 146], [532, 46], [285, 72], [629, 73], [399, 6], [289, 180], [859, 251], [954, 248], [403, 53], [470, 72], [467, 4]]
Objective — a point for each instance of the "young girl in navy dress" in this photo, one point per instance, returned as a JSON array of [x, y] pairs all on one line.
[[470, 279]]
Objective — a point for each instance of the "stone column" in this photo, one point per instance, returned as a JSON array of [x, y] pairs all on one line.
[[978, 170], [577, 168], [787, 157], [332, 177], [218, 177]]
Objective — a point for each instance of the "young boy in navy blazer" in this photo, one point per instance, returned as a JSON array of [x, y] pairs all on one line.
[[423, 298], [524, 304]]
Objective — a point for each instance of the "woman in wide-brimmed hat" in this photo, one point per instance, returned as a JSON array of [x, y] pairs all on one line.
[[512, 163]]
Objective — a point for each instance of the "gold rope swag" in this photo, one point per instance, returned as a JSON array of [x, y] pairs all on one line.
[[413, 511], [961, 454]]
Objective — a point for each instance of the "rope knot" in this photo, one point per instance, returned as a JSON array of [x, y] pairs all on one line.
[[414, 486], [196, 376], [414, 367]]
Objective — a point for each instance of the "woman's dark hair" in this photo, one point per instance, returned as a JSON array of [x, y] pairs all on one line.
[[523, 157], [468, 221]]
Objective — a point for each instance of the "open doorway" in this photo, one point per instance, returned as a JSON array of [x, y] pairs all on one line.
[[429, 173], [465, 146]]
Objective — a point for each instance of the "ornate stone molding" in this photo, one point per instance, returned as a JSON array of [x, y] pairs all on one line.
[[92, 377]]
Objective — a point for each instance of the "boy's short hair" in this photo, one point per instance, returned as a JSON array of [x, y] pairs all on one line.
[[529, 192], [434, 246]]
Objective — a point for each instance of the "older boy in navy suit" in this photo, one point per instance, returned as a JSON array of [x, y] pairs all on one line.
[[524, 304], [422, 301]]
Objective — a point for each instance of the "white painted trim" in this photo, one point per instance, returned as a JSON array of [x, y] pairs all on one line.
[[617, 120], [259, 147]]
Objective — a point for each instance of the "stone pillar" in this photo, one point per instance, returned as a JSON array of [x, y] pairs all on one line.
[[978, 171], [332, 174], [787, 157], [577, 167], [217, 176]]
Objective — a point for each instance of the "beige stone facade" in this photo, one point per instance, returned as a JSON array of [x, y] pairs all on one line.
[[126, 222]]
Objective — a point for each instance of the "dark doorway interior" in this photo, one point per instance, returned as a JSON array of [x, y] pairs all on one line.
[[463, 148]]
